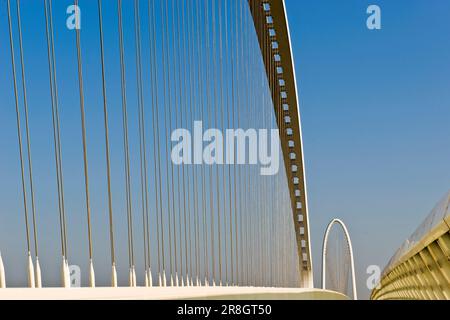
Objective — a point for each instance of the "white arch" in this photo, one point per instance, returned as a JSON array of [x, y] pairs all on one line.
[[280, 24], [324, 252], [308, 280]]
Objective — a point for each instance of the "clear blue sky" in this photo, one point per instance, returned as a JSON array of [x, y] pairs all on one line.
[[376, 118], [375, 110]]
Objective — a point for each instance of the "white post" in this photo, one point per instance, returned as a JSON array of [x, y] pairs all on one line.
[[164, 278], [38, 276], [91, 274], [31, 281], [113, 276], [64, 276], [146, 278], [130, 277], [2, 274], [150, 278], [134, 276], [68, 280]]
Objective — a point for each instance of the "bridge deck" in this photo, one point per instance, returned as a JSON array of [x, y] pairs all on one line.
[[169, 293]]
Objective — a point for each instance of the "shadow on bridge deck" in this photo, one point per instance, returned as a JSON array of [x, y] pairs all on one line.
[[170, 293]]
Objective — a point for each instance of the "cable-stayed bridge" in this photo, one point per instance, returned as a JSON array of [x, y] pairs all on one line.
[[128, 165], [137, 72], [153, 150]]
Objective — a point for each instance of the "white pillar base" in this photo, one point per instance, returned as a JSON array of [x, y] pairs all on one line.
[[150, 278], [113, 276], [64, 276], [159, 280], [30, 270], [68, 280], [134, 275], [130, 277], [187, 281], [38, 277], [91, 274], [164, 278], [2, 274]]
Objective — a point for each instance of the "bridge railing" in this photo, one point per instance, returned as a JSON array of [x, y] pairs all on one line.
[[420, 269]]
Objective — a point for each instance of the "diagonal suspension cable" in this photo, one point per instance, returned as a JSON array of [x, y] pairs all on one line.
[[38, 282], [183, 108], [19, 136], [108, 160], [56, 138], [85, 157], [170, 183], [142, 144], [192, 110], [211, 93], [217, 97], [132, 275], [203, 179], [186, 172], [177, 103], [58, 130], [165, 57], [240, 106], [156, 139]]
